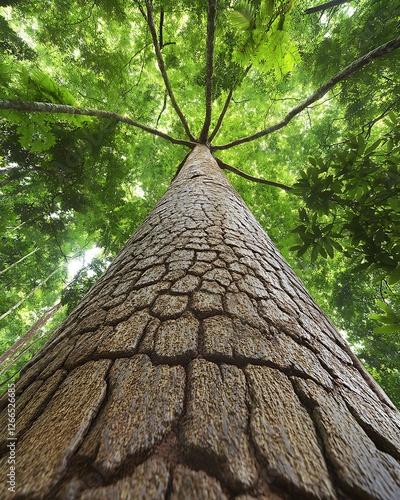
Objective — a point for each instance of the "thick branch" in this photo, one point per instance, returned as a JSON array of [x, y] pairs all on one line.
[[13, 177], [320, 92], [221, 116], [212, 9], [325, 6], [161, 65], [47, 107], [225, 166]]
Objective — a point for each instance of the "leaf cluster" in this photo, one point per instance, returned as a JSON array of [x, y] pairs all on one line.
[[351, 205], [265, 39]]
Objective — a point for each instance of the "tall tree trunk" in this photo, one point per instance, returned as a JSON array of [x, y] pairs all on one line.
[[199, 367]]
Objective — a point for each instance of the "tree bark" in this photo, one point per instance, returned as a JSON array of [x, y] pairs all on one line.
[[163, 70], [211, 17], [198, 366]]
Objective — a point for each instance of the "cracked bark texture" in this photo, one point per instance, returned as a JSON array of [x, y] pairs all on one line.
[[198, 366]]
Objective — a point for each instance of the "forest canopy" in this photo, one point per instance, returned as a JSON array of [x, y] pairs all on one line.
[[101, 101]]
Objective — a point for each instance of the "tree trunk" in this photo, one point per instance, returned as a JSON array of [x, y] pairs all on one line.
[[22, 341], [199, 367], [15, 306], [19, 261]]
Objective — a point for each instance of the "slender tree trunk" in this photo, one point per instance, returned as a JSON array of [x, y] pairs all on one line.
[[22, 341], [199, 367], [19, 261], [15, 306]]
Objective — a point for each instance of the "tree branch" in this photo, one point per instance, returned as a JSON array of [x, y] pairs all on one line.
[[371, 123], [134, 55], [160, 36], [221, 116], [47, 107], [224, 110], [358, 64], [225, 166], [325, 6], [161, 65], [211, 14], [162, 110]]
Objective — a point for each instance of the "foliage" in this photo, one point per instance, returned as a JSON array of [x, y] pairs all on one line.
[[351, 208], [266, 43], [84, 279], [351, 200]]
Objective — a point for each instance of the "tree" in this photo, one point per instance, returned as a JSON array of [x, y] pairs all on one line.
[[199, 361], [30, 333], [239, 382]]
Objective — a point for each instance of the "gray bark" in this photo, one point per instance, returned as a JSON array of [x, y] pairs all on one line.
[[198, 366], [211, 17], [163, 70], [48, 107]]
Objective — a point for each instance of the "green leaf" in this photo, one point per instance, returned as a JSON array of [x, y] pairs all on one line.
[[266, 9], [329, 247], [312, 161], [315, 252], [387, 329], [385, 307], [322, 252], [361, 267], [302, 250], [361, 145], [373, 146], [394, 276], [303, 215], [242, 16], [336, 245]]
